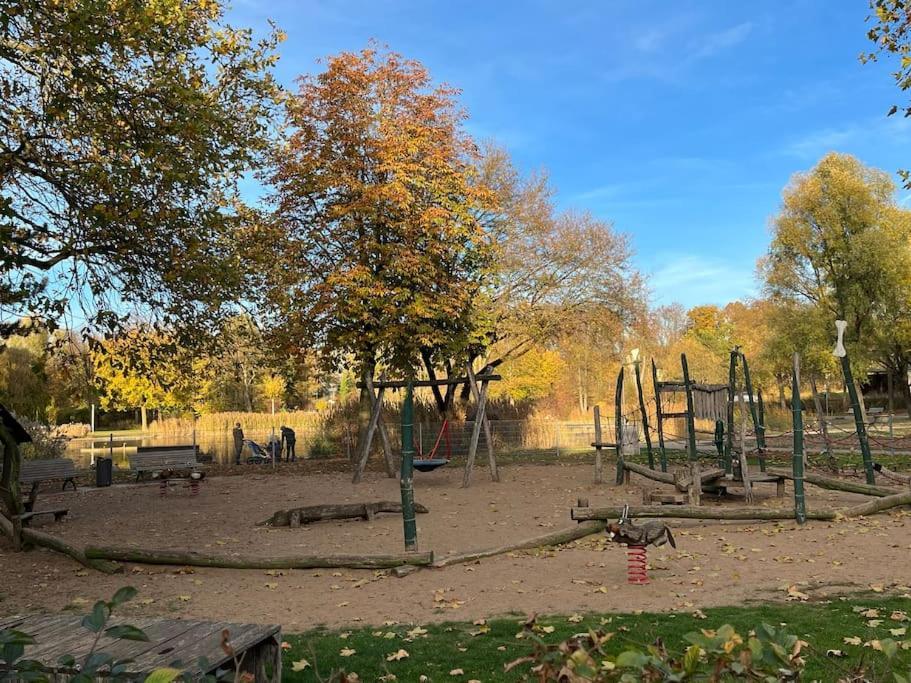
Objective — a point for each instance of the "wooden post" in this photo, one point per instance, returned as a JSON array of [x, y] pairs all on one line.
[[475, 435], [800, 506], [599, 462], [388, 457], [695, 490], [659, 421], [488, 435], [890, 390], [644, 412], [364, 450], [859, 424], [618, 425], [758, 428], [729, 440], [407, 475], [9, 484]]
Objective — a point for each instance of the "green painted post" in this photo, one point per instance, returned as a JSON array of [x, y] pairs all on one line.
[[800, 505], [690, 420], [407, 474], [842, 353], [729, 440], [757, 426], [644, 412], [659, 421], [618, 425], [858, 420]]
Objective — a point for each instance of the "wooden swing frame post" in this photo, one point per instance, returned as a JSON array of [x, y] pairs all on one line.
[[472, 380]]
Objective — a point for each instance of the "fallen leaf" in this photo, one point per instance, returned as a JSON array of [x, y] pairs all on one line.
[[299, 665], [397, 656], [346, 651], [456, 672], [853, 640]]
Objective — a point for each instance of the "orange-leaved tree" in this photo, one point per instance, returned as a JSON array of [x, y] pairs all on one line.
[[374, 227]]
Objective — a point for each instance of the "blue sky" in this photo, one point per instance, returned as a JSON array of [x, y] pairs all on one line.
[[680, 122]]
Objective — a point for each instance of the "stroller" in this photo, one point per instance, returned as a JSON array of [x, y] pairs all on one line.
[[261, 454]]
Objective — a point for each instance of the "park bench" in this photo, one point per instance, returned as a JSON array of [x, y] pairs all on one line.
[[151, 459], [36, 472]]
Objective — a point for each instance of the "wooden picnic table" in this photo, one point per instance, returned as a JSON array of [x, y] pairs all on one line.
[[170, 640]]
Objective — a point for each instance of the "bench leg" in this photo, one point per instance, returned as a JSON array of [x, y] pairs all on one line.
[[779, 488], [29, 503], [71, 482]]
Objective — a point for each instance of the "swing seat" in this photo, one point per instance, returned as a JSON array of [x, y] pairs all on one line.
[[429, 464]]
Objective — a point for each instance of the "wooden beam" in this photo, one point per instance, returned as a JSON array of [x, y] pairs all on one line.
[[368, 438], [701, 512], [837, 484], [194, 559], [488, 434], [552, 538], [475, 435], [599, 461]]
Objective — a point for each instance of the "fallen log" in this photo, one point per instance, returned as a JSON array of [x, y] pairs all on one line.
[[897, 477], [553, 538], [194, 559], [702, 512], [836, 483], [667, 478], [879, 505], [42, 539], [745, 513], [319, 513]]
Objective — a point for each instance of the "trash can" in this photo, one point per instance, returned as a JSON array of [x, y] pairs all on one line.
[[104, 472]]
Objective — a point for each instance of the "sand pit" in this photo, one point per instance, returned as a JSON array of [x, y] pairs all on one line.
[[714, 564]]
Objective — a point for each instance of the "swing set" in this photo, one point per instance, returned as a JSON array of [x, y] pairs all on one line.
[[440, 454]]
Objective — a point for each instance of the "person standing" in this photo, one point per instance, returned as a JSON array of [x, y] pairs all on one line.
[[289, 438], [238, 442]]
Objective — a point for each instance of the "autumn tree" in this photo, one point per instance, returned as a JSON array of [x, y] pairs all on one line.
[[124, 128], [556, 276], [375, 217], [146, 370], [841, 243]]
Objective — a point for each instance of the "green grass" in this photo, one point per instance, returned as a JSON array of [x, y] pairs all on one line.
[[482, 656]]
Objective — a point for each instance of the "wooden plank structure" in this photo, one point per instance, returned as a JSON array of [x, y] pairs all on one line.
[[257, 648], [151, 459], [478, 385]]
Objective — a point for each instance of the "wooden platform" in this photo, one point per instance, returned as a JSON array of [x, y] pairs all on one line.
[[728, 482], [170, 641]]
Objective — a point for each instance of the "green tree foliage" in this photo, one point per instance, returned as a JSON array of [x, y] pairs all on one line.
[[891, 33], [124, 127], [145, 370], [840, 242], [375, 216]]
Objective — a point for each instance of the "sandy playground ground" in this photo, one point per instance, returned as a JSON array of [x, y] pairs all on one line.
[[714, 564]]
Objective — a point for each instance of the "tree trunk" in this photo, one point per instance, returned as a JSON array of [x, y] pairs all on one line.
[[144, 417], [837, 484], [781, 398], [318, 513], [552, 538], [9, 481], [690, 512], [194, 559]]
